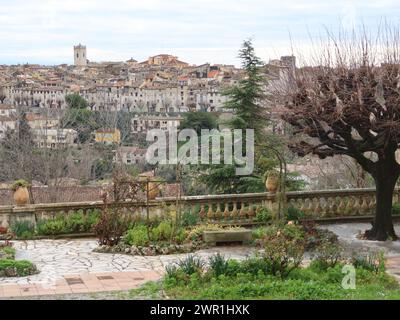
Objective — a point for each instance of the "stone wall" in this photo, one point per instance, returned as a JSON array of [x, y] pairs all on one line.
[[56, 194]]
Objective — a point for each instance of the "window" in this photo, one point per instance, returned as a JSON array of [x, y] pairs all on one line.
[[77, 55]]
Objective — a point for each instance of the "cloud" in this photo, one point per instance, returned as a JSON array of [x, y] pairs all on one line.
[[197, 31]]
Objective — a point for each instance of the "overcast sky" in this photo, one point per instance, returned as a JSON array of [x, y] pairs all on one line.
[[197, 31]]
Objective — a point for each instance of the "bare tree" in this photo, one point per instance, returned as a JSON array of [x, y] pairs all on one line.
[[348, 103]]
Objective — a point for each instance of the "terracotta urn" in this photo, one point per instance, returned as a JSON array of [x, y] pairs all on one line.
[[272, 183], [153, 190], [21, 196]]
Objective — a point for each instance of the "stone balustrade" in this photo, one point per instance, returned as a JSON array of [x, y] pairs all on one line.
[[228, 208]]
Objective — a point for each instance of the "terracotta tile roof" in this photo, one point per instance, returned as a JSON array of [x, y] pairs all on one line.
[[213, 74], [5, 118], [6, 107]]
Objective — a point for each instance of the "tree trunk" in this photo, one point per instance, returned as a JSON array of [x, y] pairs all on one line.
[[385, 180]]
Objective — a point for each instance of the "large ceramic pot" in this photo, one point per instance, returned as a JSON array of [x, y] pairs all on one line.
[[21, 196], [153, 190], [272, 183]]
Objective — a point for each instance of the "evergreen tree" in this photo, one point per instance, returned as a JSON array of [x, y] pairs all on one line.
[[75, 101], [246, 98], [246, 101], [198, 120]]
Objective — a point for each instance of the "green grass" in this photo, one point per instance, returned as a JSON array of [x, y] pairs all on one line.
[[19, 268], [8, 251], [302, 284], [9, 267]]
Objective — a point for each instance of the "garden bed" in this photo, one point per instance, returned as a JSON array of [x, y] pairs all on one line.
[[9, 267], [150, 250], [277, 273], [159, 239]]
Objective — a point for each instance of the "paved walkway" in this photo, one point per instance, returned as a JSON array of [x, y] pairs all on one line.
[[70, 266], [347, 233]]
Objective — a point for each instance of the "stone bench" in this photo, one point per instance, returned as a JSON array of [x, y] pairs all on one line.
[[226, 236]]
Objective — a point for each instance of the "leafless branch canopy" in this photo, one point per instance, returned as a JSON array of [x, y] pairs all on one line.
[[349, 103]]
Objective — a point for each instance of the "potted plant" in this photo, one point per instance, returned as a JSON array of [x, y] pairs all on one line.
[[272, 181], [154, 190], [153, 186], [21, 193]]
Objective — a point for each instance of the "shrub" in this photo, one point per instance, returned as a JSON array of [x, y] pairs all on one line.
[[50, 227], [191, 264], [258, 233], [23, 229], [284, 250], [137, 236], [373, 261], [74, 223], [218, 264], [171, 271], [233, 267], [396, 209], [315, 236], [255, 265], [7, 252], [289, 231], [326, 255], [189, 219], [163, 231], [110, 227], [294, 214], [263, 215], [16, 268], [180, 236]]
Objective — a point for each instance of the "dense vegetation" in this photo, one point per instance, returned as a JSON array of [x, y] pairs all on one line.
[[277, 274], [76, 222], [9, 267]]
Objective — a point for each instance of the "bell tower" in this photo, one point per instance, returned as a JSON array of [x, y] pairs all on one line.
[[80, 58]]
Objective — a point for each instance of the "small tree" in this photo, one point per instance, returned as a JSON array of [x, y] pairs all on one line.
[[350, 105], [75, 101], [198, 120], [247, 100]]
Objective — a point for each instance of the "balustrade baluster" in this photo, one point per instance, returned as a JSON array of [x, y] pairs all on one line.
[[202, 212], [333, 208], [210, 213], [242, 213], [341, 207], [317, 209], [218, 212], [364, 205], [356, 206], [226, 211], [234, 212], [250, 211], [301, 205], [310, 207]]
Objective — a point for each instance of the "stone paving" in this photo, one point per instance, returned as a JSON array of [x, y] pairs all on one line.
[[65, 264], [347, 233], [71, 266]]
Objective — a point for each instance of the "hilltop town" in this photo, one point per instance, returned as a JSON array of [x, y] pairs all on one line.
[[129, 97]]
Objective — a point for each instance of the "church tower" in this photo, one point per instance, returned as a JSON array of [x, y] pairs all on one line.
[[80, 58]]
